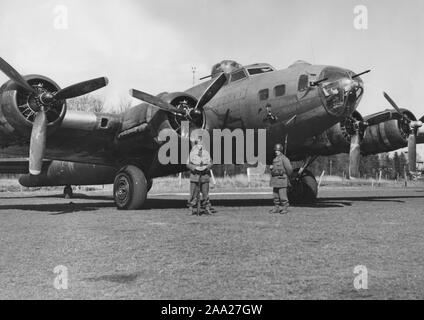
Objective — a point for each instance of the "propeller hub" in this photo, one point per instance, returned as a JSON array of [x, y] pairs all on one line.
[[416, 124], [46, 98]]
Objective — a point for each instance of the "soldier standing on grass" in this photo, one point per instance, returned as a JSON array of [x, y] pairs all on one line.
[[199, 164], [281, 170]]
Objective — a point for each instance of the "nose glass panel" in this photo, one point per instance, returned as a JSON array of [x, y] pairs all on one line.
[[341, 93]]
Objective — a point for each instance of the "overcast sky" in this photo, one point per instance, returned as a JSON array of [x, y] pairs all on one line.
[[152, 44]]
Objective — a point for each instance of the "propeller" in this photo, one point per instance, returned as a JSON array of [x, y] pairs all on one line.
[[157, 102], [15, 76], [412, 138], [357, 129], [354, 155], [38, 143], [190, 114], [44, 100]]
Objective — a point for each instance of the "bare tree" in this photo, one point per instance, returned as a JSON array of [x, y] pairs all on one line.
[[123, 105], [86, 103]]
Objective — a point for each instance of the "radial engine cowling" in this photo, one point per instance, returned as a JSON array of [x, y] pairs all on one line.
[[185, 102], [334, 140], [18, 107], [389, 135]]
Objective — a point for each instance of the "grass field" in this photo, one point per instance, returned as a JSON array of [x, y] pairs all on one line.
[[242, 252]]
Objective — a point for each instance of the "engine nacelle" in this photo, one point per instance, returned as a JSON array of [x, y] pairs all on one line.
[[332, 141], [420, 135], [388, 135], [19, 107], [61, 173]]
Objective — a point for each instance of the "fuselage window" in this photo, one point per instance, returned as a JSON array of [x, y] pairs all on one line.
[[264, 94], [280, 90], [254, 71], [238, 75], [303, 82]]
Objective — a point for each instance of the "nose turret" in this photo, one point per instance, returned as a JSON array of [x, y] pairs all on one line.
[[341, 91]]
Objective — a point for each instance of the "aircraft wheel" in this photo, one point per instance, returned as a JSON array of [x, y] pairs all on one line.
[[130, 188], [304, 189], [67, 192]]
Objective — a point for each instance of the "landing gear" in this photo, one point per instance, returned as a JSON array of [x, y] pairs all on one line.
[[304, 186], [130, 188], [149, 184], [67, 192], [303, 189]]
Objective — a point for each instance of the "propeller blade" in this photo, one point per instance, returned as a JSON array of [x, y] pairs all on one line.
[[412, 152], [354, 155], [211, 91], [165, 106], [38, 143], [394, 105], [81, 88], [15, 76]]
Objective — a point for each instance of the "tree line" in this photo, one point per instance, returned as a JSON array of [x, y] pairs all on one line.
[[391, 166]]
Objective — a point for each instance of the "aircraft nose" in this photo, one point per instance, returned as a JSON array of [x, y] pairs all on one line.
[[341, 93]]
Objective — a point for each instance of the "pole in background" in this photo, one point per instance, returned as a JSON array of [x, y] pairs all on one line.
[[194, 69]]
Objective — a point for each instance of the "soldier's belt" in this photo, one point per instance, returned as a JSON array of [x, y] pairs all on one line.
[[278, 173], [200, 172]]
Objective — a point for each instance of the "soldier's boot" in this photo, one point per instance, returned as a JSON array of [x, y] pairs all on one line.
[[193, 210], [284, 209], [208, 211], [276, 209]]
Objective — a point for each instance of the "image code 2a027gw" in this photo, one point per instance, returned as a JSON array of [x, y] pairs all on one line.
[[311, 107]]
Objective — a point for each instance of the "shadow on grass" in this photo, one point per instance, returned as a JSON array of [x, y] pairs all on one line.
[[180, 203], [117, 278]]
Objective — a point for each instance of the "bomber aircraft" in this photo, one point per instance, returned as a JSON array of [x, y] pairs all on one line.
[[311, 109]]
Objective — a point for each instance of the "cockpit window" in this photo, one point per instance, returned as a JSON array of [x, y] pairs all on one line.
[[332, 74], [303, 82], [254, 71], [238, 75]]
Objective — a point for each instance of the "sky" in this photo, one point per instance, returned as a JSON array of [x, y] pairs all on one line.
[[152, 45]]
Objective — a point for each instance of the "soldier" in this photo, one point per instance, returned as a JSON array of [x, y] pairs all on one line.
[[199, 164], [281, 170]]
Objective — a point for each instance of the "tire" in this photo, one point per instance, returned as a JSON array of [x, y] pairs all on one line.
[[303, 190], [130, 188]]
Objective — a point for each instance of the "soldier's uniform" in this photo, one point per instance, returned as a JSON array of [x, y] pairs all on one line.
[[281, 170], [199, 164]]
